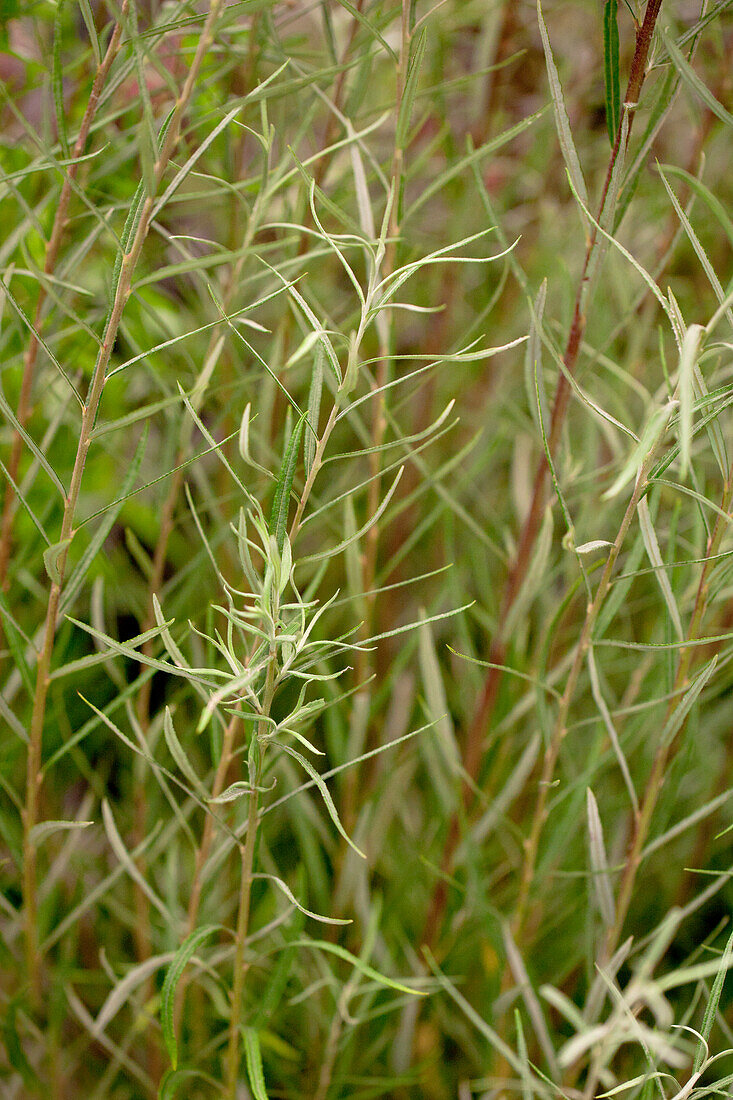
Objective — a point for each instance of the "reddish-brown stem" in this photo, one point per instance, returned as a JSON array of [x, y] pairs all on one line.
[[475, 735]]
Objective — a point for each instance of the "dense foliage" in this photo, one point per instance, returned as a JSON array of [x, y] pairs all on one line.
[[365, 666]]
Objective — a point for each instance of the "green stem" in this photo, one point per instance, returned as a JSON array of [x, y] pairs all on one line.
[[241, 964], [240, 959], [204, 850]]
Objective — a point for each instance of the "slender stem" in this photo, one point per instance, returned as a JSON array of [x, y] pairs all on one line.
[[364, 664], [310, 479], [642, 820], [560, 728], [475, 735], [320, 169], [240, 960], [122, 293], [379, 419], [213, 351], [518, 570], [52, 253], [241, 964], [204, 850], [142, 705]]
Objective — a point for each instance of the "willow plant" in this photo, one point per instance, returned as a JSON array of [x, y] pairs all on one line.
[[365, 383]]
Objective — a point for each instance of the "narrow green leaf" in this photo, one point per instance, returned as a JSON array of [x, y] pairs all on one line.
[[533, 376], [680, 712], [57, 79], [281, 500], [472, 1015], [110, 514], [176, 751], [173, 1079], [708, 267], [186, 168], [562, 123], [118, 847], [523, 1057], [13, 1048], [362, 967], [120, 995], [536, 574], [294, 901], [239, 789], [329, 33], [408, 96], [689, 356], [314, 406], [172, 977], [88, 17], [693, 81], [599, 861], [362, 530], [611, 68], [324, 792], [712, 1006], [126, 650], [712, 426], [253, 1058], [655, 557], [52, 557], [371, 27], [655, 428], [611, 729], [456, 168], [128, 232], [442, 756], [8, 412], [22, 498], [147, 141], [146, 155], [64, 374], [282, 971], [713, 203], [15, 639], [46, 828]]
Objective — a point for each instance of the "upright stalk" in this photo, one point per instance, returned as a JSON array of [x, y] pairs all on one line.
[[43, 671], [204, 851], [53, 248], [560, 728], [642, 819], [363, 663], [241, 964], [379, 419], [517, 572], [488, 696]]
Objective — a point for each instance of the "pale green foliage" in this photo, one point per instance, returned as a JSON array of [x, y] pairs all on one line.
[[364, 425]]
